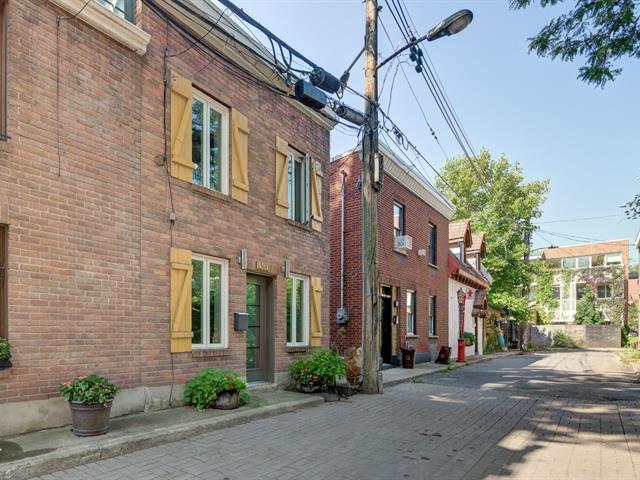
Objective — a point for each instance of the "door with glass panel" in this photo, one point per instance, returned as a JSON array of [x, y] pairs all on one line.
[[258, 335]]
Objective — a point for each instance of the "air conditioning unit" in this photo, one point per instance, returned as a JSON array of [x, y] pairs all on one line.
[[403, 243]]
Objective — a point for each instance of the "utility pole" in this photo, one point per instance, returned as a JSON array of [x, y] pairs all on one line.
[[371, 326]]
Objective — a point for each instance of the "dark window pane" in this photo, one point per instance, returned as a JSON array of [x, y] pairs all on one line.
[[196, 301], [215, 302], [197, 119], [299, 311], [215, 150], [289, 309]]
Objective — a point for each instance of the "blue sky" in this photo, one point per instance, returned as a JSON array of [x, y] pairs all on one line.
[[584, 139]]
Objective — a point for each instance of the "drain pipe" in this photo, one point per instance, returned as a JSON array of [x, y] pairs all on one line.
[[341, 314]]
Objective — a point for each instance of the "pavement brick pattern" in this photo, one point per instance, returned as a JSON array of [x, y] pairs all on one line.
[[449, 427]]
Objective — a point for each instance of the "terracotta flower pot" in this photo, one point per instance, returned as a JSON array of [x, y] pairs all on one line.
[[90, 419], [353, 375], [227, 400]]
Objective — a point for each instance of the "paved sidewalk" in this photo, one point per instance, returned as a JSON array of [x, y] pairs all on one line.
[[31, 454], [394, 376], [483, 422]]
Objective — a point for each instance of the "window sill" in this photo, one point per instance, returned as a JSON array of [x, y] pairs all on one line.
[[109, 23], [299, 225], [434, 266], [209, 352], [401, 252], [297, 349], [207, 192], [411, 336], [433, 337]]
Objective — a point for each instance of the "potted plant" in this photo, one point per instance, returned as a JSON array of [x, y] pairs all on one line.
[[90, 399], [216, 388], [318, 371], [5, 354], [469, 339]]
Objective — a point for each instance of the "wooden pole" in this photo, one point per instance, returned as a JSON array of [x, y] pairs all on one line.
[[370, 317]]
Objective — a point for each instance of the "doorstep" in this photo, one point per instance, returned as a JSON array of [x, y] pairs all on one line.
[[29, 455]]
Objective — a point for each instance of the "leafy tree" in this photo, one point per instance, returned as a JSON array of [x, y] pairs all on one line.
[[587, 312], [632, 209], [500, 203], [602, 31], [544, 300]]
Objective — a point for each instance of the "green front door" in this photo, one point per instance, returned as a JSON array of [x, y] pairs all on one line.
[[258, 333]]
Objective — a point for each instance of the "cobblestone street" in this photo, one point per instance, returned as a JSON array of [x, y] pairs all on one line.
[[560, 415]]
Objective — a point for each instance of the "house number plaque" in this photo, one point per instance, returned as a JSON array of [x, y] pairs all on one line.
[[263, 266]]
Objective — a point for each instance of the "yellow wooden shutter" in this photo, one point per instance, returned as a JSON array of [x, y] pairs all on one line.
[[181, 271], [239, 156], [316, 195], [316, 311], [181, 101], [282, 178]]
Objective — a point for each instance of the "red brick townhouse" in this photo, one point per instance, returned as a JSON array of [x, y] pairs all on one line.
[[137, 220], [413, 226]]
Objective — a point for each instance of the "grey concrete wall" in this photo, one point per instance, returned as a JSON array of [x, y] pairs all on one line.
[[597, 336]]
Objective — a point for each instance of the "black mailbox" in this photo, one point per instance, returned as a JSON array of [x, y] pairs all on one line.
[[240, 322]]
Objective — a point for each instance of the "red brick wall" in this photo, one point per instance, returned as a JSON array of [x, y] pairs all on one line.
[[409, 272], [89, 247], [412, 272], [349, 334]]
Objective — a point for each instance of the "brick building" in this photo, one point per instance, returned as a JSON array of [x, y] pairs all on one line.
[[466, 273], [134, 231], [603, 266], [413, 221]]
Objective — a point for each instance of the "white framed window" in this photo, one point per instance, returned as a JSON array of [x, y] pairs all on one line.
[[433, 329], [569, 262], [604, 291], [298, 177], [411, 312], [398, 219], [297, 310], [584, 262], [613, 258], [123, 8], [210, 143], [209, 302]]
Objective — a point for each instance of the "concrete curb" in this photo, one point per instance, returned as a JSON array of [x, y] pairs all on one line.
[[74, 456], [445, 368]]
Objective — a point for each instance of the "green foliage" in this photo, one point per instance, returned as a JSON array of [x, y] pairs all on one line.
[[562, 340], [501, 204], [209, 383], [244, 398], [5, 349], [492, 344], [544, 301], [587, 311], [469, 339], [601, 31], [630, 356], [321, 368], [632, 208], [90, 389]]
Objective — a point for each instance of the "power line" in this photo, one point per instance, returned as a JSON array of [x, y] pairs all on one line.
[[583, 219]]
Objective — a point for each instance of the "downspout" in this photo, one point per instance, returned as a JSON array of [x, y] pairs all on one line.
[[342, 195], [341, 315]]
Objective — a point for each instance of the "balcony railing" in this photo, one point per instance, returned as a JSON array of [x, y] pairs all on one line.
[[123, 8]]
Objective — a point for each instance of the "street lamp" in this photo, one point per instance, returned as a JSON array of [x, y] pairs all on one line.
[[449, 26], [461, 300]]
